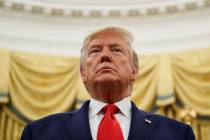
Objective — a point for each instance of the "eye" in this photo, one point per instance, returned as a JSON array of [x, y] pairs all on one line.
[[94, 51], [117, 49]]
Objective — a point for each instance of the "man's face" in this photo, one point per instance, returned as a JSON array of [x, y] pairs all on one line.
[[108, 62]]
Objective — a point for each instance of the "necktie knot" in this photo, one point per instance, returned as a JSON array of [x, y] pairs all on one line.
[[110, 108]]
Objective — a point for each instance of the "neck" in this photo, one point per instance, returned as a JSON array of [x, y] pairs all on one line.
[[110, 93]]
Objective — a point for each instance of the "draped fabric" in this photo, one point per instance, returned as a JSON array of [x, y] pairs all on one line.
[[192, 79], [4, 75], [144, 89], [32, 86], [11, 126], [40, 85], [154, 85]]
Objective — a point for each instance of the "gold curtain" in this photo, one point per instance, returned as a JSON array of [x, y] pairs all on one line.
[[38, 85], [191, 72], [4, 75], [154, 85], [144, 89], [10, 125], [42, 85]]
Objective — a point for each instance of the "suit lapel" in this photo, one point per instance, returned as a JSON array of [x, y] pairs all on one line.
[[142, 124], [78, 124]]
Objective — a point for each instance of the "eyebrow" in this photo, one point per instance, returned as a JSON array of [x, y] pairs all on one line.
[[95, 46], [114, 45]]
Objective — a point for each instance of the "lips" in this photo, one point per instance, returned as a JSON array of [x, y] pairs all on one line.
[[105, 68]]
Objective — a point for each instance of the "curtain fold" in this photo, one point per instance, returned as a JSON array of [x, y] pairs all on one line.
[[4, 75], [144, 88], [42, 85], [11, 126], [165, 84], [191, 74]]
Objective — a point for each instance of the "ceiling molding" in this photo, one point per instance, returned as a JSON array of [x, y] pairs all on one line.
[[101, 11]]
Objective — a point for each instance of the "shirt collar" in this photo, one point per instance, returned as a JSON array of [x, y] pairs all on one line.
[[124, 106], [95, 106]]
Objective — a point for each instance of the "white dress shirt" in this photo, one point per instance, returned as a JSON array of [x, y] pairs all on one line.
[[123, 117]]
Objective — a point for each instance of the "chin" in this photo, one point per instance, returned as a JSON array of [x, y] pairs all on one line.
[[107, 78], [107, 81]]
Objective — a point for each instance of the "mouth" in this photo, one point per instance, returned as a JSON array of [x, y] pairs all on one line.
[[105, 69]]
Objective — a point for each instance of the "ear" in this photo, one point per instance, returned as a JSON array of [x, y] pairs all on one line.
[[83, 74], [134, 74]]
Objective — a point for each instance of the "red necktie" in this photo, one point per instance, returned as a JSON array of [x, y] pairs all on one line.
[[109, 128]]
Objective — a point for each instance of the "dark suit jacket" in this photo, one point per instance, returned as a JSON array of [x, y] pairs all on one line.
[[75, 126]]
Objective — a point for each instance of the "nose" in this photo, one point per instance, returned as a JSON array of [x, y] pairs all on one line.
[[105, 56]]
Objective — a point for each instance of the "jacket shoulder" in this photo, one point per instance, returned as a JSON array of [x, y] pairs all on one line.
[[47, 128], [167, 128], [177, 129]]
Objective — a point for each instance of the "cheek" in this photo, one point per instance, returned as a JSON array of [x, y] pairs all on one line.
[[125, 66], [89, 62], [90, 65]]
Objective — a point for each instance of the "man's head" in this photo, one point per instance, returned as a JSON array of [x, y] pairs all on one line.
[[108, 64]]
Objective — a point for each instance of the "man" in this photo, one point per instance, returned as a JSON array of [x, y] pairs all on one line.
[[109, 66]]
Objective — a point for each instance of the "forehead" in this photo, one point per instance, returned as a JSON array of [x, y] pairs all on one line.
[[106, 38]]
